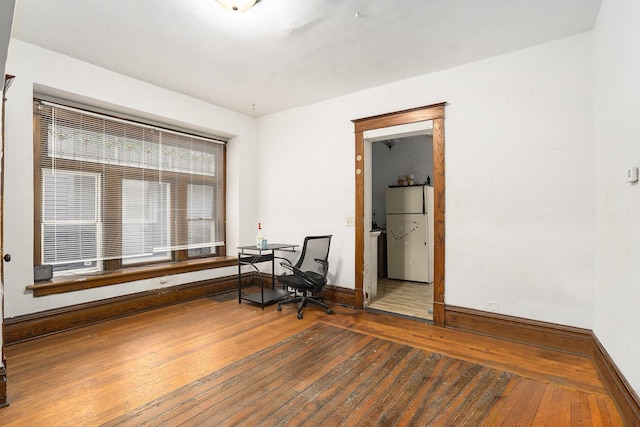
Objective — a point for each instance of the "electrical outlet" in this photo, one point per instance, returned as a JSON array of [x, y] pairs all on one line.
[[351, 221], [492, 306]]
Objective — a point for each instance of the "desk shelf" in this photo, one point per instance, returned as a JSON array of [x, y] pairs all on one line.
[[251, 255], [270, 295]]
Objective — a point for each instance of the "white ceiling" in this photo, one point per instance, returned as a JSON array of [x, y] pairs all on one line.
[[288, 53]]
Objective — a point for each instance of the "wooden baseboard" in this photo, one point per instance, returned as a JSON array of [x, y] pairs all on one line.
[[344, 296], [620, 390], [552, 336], [527, 331], [30, 326]]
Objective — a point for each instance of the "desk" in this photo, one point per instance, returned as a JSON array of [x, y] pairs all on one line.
[[251, 255]]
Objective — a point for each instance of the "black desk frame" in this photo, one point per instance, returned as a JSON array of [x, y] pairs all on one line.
[[251, 255]]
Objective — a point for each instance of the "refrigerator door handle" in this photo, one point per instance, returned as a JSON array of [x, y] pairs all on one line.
[[424, 201]]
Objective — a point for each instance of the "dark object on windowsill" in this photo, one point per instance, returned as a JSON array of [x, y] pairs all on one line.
[[42, 273]]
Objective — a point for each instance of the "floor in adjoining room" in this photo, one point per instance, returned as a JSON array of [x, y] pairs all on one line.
[[413, 299]]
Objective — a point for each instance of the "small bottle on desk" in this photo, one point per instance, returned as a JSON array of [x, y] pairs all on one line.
[[259, 237]]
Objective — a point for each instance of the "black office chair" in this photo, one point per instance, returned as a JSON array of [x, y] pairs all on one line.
[[309, 274]]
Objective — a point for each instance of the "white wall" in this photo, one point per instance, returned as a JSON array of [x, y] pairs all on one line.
[[62, 75], [519, 177], [519, 181], [617, 144]]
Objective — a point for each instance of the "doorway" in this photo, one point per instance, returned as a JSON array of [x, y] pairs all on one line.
[[399, 279], [434, 113]]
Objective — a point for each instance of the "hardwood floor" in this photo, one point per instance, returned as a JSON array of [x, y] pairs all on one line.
[[222, 363], [413, 299]]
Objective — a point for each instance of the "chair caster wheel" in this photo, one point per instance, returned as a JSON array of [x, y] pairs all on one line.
[[329, 311], [279, 308], [299, 315]]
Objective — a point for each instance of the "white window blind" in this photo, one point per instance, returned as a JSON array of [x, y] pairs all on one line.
[[145, 220], [71, 228], [117, 189], [201, 218]]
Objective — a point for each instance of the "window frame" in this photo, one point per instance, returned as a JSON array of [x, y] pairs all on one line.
[[112, 270]]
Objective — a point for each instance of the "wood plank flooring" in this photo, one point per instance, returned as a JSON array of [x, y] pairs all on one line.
[[222, 363], [413, 299]]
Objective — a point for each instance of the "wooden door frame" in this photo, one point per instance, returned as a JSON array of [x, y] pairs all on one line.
[[433, 112], [8, 79]]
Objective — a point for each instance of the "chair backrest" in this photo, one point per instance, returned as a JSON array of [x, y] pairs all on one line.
[[315, 247]]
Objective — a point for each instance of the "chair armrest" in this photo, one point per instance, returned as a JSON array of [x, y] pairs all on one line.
[[321, 261], [325, 264], [281, 257], [287, 264]]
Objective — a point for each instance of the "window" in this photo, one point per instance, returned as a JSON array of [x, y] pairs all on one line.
[[200, 214], [70, 220], [145, 221], [116, 193]]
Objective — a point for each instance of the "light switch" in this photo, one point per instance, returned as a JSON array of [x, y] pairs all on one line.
[[632, 174]]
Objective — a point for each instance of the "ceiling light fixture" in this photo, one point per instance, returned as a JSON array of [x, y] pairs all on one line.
[[389, 143], [237, 5]]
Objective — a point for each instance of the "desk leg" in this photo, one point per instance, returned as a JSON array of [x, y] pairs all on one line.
[[261, 286], [273, 272], [239, 281]]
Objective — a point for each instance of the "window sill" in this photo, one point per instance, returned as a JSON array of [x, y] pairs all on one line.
[[63, 284]]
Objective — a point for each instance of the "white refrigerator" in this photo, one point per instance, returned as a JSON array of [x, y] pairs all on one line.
[[410, 233]]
